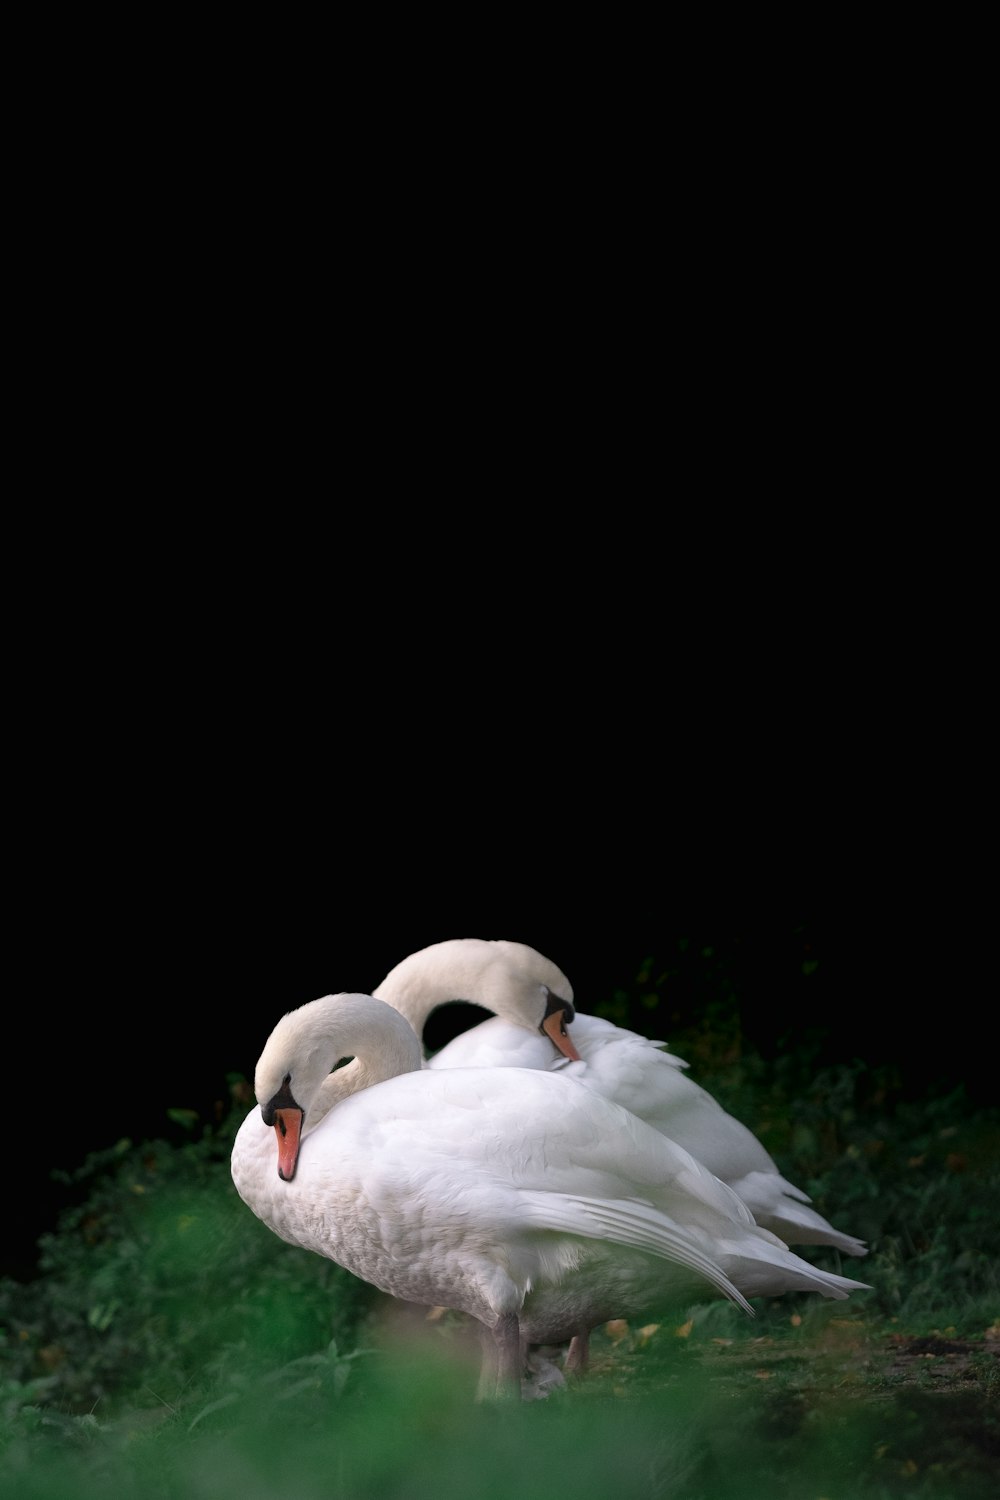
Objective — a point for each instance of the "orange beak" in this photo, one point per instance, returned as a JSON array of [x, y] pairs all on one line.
[[554, 1027], [288, 1129]]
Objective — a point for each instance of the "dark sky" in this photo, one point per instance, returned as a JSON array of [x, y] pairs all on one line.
[[163, 990]]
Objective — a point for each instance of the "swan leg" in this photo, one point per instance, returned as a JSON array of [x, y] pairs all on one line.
[[578, 1353], [500, 1373]]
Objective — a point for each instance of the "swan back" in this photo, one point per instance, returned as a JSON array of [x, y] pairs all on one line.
[[519, 985]]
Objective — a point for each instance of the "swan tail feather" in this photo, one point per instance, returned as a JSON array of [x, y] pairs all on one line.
[[780, 1206], [631, 1223]]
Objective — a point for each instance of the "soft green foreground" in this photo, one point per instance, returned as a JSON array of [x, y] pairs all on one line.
[[821, 1410]]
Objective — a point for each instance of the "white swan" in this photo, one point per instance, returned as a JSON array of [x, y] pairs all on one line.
[[533, 1004], [534, 1205]]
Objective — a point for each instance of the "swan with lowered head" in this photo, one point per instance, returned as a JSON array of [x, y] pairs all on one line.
[[536, 1025], [534, 1205]]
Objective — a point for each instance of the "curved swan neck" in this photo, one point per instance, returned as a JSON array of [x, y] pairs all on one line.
[[505, 978]]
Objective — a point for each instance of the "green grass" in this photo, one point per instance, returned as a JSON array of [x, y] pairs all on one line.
[[173, 1347]]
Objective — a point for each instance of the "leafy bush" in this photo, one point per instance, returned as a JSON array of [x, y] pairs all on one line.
[[161, 1278]]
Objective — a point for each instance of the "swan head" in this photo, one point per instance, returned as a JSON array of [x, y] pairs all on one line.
[[528, 989], [305, 1047], [515, 982]]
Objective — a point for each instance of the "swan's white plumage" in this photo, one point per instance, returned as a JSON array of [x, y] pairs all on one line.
[[536, 1206], [515, 982]]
